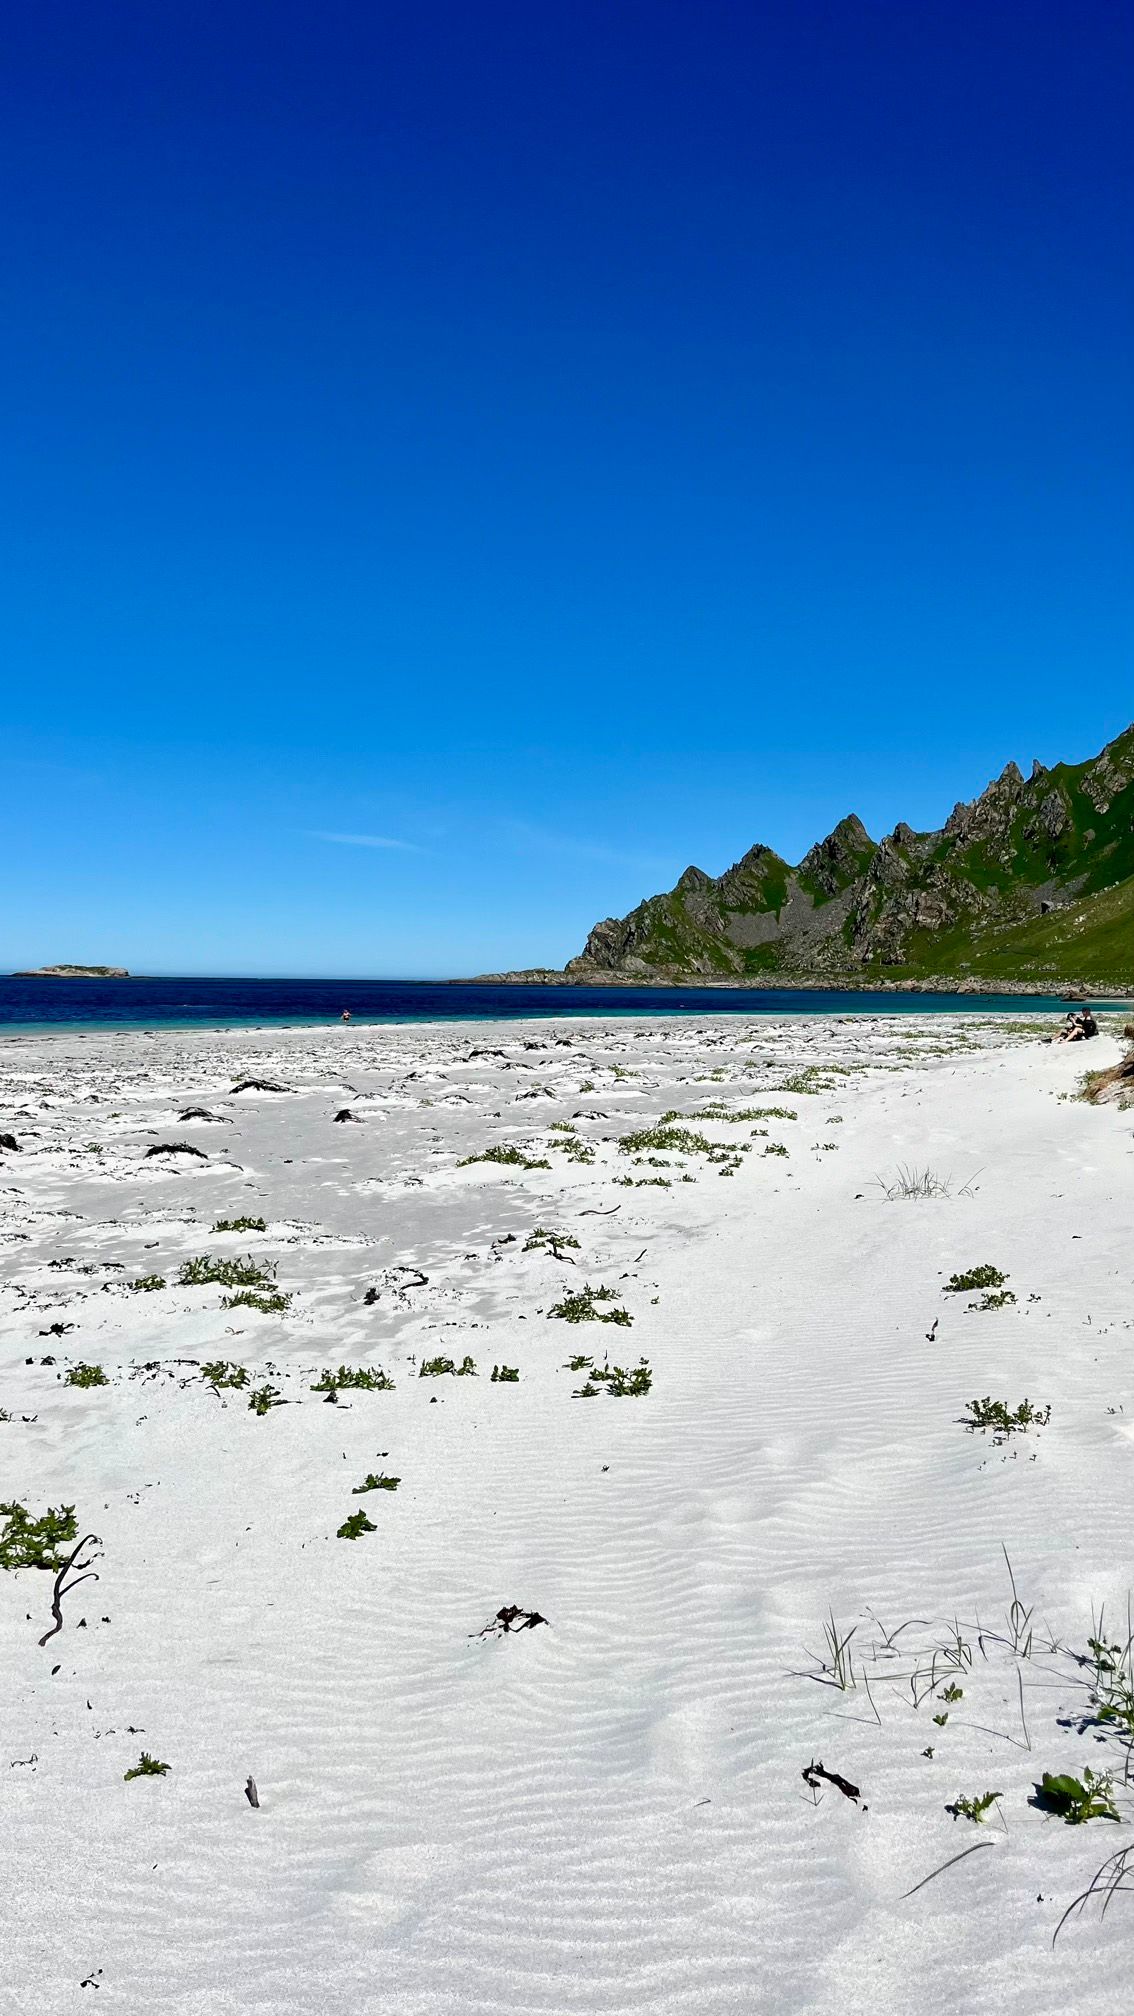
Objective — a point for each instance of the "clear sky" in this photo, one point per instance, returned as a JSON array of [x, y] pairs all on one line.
[[545, 443]]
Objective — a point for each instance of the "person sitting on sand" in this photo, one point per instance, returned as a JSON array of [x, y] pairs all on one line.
[[1078, 1028]]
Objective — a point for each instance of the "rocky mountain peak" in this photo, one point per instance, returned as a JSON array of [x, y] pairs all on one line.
[[835, 861]]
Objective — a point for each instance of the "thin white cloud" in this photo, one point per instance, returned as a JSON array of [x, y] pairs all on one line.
[[528, 834], [369, 840]]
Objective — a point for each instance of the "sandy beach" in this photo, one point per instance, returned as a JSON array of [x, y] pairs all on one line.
[[759, 1448]]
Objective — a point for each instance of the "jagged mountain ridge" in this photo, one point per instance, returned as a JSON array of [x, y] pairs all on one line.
[[1034, 879]]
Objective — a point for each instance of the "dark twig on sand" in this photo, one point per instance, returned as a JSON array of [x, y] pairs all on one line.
[[64, 1588]]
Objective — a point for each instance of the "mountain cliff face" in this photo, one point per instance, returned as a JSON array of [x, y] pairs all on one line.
[[1034, 880]]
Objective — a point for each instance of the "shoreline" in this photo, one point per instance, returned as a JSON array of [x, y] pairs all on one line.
[[1038, 1005], [804, 983]]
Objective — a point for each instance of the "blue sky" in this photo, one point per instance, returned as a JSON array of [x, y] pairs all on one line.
[[564, 441]]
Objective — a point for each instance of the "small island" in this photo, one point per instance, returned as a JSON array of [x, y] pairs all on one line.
[[74, 973]]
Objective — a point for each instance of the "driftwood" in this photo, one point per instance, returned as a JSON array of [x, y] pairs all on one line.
[[251, 1794], [64, 1588]]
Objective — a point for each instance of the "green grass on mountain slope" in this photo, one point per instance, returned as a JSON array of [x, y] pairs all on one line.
[[1092, 938]]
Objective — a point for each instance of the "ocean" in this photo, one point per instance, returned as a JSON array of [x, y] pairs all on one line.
[[152, 1003]]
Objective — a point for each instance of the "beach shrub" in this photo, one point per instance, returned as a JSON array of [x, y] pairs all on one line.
[[581, 1308], [379, 1483], [574, 1149], [974, 1807], [354, 1378], [147, 1284], [206, 1271], [264, 1398], [1077, 1800], [354, 1527], [1004, 1420], [512, 1158], [86, 1375], [505, 1375], [666, 1139], [275, 1303], [813, 1079], [995, 1298], [619, 1383], [775, 1148], [433, 1368], [240, 1225], [219, 1372], [985, 1276], [146, 1767], [34, 1543], [542, 1237]]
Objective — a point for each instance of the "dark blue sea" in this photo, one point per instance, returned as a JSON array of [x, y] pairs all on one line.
[[221, 1004]]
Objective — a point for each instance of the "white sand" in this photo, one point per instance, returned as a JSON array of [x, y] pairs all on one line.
[[605, 1813]]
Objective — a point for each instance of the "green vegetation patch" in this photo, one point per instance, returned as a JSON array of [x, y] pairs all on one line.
[[613, 1379], [512, 1158], [435, 1368], [273, 1303], [220, 1372], [205, 1271], [86, 1375], [379, 1483], [35, 1543], [240, 1225], [1077, 1800], [542, 1237], [666, 1138], [146, 1767], [148, 1284], [354, 1527], [581, 1307], [354, 1378], [1004, 1420], [263, 1398], [985, 1276]]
